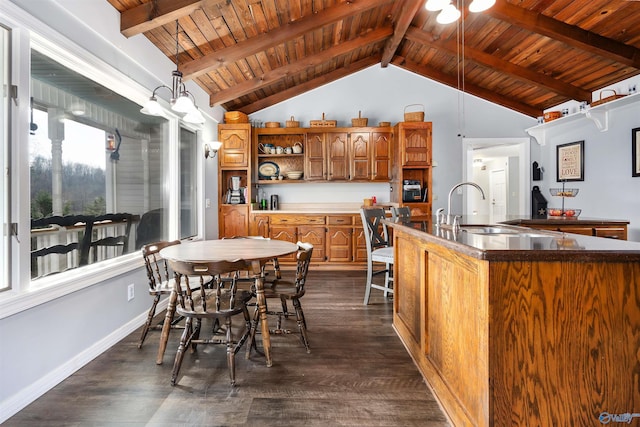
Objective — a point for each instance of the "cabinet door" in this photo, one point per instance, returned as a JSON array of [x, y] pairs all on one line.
[[259, 225], [339, 242], [287, 233], [315, 168], [416, 144], [236, 140], [381, 156], [234, 220], [337, 156], [359, 155], [359, 245], [316, 236]]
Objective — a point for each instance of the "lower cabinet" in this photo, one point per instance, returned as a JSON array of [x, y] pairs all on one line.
[[233, 220], [612, 231], [338, 241]]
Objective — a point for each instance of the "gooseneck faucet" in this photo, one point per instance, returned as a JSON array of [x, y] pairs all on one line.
[[473, 184]]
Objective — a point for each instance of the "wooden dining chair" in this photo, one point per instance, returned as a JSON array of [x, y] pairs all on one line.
[[379, 250], [160, 283], [288, 290], [213, 302]]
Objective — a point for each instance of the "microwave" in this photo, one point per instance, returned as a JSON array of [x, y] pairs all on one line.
[[411, 191]]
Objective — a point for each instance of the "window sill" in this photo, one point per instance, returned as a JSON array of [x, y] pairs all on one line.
[[59, 285]]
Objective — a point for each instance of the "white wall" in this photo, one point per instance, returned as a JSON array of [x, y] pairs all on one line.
[[382, 95], [608, 189]]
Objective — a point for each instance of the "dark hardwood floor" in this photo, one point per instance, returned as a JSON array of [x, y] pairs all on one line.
[[357, 374]]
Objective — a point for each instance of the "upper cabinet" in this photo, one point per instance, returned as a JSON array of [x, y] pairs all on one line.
[[412, 144], [236, 140], [330, 154]]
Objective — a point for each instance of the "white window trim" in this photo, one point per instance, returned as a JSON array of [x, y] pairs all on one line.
[[30, 33]]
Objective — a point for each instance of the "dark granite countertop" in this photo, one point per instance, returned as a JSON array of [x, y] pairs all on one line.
[[563, 221], [521, 243]]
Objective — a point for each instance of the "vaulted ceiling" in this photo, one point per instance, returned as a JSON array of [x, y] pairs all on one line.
[[527, 55]]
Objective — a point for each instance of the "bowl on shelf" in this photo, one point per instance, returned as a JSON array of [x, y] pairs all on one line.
[[566, 213], [564, 192], [294, 174]]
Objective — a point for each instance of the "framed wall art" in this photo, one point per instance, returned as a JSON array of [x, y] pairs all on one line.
[[635, 152], [570, 162]]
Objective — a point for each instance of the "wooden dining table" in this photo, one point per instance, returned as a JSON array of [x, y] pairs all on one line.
[[255, 252]]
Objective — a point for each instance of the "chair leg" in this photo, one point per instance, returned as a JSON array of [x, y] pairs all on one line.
[[386, 280], [247, 332], [150, 316], [301, 324], [367, 290], [231, 360], [252, 335], [184, 342]]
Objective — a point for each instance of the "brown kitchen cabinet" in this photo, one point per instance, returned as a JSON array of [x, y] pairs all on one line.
[[340, 238], [234, 159], [327, 156], [412, 145], [233, 220], [304, 228], [609, 228]]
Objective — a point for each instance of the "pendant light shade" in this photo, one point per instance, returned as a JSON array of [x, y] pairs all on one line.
[[481, 5], [435, 5], [448, 15]]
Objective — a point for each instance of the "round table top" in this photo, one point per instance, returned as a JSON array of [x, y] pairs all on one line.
[[229, 250]]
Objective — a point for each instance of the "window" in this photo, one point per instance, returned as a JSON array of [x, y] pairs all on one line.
[[188, 190], [4, 160], [93, 153]]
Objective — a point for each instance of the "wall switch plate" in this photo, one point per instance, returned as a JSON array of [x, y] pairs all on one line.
[[131, 292], [207, 203]]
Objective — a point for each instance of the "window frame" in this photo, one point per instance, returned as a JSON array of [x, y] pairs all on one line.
[[24, 293]]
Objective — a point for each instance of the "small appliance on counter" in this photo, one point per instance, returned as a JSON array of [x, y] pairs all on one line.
[[411, 190], [274, 202], [235, 193]]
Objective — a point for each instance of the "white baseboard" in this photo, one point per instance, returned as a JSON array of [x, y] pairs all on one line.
[[17, 402]]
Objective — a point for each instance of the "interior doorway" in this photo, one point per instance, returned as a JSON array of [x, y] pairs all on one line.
[[484, 158]]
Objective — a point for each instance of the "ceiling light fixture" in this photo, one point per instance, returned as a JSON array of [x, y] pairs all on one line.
[[182, 101], [449, 12]]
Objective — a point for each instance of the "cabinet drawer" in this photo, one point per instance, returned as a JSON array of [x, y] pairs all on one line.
[[294, 220], [340, 220], [612, 232]]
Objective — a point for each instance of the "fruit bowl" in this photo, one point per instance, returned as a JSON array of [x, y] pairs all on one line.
[[566, 213], [564, 192]]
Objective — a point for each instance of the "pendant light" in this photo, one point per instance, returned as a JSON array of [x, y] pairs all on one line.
[[449, 12], [182, 101]]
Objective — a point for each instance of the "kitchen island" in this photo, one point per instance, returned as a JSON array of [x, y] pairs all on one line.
[[514, 326]]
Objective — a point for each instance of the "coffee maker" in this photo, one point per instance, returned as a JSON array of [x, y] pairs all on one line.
[[235, 193]]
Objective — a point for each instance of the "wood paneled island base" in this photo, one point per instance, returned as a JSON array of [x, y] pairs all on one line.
[[521, 331]]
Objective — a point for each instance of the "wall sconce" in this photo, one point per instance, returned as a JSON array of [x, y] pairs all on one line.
[[211, 149]]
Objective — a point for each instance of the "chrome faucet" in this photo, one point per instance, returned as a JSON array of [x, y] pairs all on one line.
[[451, 194]]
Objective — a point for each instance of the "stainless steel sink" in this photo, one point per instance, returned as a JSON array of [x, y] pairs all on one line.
[[496, 230], [488, 229]]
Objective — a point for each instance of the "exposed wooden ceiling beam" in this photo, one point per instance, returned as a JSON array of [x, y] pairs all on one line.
[[484, 59], [478, 91], [311, 84], [569, 34], [298, 66], [408, 10], [155, 13], [291, 30]]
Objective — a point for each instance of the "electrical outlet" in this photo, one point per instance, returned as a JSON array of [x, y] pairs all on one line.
[[207, 203], [131, 292]]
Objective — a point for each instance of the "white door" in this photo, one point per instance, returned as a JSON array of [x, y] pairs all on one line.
[[498, 196]]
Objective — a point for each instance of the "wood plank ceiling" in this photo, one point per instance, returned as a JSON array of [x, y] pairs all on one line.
[[527, 55]]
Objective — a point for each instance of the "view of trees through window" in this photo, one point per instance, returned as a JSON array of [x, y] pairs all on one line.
[[83, 169]]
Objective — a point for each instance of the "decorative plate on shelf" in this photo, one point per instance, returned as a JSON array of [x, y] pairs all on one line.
[[268, 169]]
